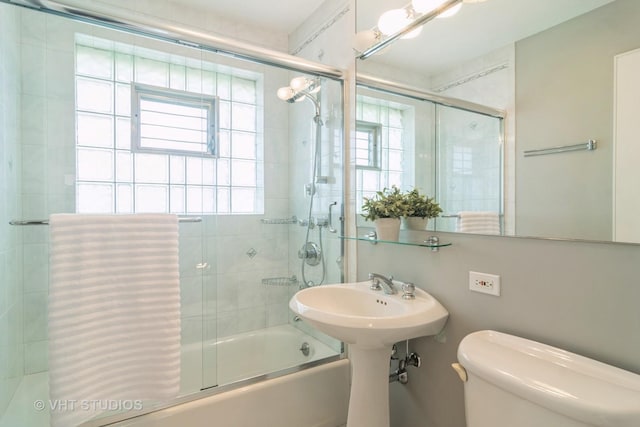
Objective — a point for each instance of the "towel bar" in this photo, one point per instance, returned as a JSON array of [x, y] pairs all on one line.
[[46, 221], [590, 145]]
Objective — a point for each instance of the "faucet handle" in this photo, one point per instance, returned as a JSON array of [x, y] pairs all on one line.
[[408, 290], [375, 283]]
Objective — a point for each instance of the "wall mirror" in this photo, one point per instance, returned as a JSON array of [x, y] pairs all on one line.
[[562, 73]]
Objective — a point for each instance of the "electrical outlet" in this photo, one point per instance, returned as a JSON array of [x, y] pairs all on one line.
[[485, 283]]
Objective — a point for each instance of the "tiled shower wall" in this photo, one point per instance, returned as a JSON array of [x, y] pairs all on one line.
[[222, 292], [11, 332], [489, 80]]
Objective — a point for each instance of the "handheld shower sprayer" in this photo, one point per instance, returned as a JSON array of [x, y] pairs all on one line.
[[299, 89]]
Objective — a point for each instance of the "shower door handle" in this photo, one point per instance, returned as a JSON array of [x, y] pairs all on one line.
[[331, 229]]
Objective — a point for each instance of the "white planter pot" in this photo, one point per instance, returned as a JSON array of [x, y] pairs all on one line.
[[415, 223], [387, 228]]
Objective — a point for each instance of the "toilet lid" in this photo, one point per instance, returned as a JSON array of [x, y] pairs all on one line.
[[567, 383]]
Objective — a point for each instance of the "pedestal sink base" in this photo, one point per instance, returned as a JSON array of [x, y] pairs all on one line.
[[369, 400], [370, 321]]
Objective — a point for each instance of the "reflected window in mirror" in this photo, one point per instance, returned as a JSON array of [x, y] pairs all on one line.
[[368, 145], [389, 163]]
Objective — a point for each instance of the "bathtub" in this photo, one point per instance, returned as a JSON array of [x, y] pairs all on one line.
[[247, 355], [264, 380]]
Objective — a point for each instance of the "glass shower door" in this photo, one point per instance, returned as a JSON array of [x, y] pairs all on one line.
[[469, 164]]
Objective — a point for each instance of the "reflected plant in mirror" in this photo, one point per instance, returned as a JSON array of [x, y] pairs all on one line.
[[420, 208], [472, 101]]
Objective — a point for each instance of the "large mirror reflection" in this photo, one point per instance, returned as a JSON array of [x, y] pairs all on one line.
[[562, 73]]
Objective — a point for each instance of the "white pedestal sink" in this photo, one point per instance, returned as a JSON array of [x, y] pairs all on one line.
[[370, 322]]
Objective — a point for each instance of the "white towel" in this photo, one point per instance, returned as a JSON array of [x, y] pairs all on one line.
[[478, 222], [114, 313]]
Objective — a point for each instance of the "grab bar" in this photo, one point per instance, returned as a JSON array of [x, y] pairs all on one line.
[[330, 227], [46, 221], [590, 145]]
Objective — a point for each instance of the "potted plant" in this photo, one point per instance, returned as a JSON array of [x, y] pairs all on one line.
[[418, 209], [385, 210]]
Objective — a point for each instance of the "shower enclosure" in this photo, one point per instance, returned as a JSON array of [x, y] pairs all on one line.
[[100, 120], [451, 152]]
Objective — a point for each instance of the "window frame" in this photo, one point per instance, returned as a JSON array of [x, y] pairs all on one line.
[[375, 144], [210, 103]]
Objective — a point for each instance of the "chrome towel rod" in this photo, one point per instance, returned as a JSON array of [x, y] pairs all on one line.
[[46, 221], [590, 145]]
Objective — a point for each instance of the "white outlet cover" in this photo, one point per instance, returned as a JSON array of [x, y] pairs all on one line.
[[484, 283]]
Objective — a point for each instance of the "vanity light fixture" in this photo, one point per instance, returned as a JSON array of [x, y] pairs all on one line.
[[298, 89], [407, 22]]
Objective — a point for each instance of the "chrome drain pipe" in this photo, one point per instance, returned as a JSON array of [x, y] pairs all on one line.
[[411, 359]]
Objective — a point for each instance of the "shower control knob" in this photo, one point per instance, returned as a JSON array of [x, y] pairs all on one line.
[[310, 253]]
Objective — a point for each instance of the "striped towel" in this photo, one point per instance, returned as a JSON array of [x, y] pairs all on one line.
[[478, 222], [114, 313]]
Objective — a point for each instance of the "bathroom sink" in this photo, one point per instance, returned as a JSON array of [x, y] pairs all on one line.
[[370, 322], [355, 314]]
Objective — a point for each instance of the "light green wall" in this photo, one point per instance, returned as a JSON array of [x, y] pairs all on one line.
[[578, 296], [564, 96]]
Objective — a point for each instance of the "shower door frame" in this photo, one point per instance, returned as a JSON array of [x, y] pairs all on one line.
[[152, 28]]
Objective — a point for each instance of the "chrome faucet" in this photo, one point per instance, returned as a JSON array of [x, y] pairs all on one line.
[[378, 282]]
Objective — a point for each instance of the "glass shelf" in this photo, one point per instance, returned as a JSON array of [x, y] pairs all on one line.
[[428, 243]]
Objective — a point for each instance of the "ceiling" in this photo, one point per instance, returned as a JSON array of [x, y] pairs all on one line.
[[280, 15], [477, 29]]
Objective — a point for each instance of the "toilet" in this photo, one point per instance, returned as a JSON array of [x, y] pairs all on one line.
[[514, 382]]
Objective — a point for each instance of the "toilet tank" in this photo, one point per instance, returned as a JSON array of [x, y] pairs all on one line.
[[515, 382]]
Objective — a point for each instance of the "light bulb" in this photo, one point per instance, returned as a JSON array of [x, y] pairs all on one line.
[[395, 20], [392, 21], [424, 6], [285, 93], [299, 83], [364, 40]]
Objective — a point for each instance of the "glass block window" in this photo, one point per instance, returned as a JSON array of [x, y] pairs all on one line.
[[206, 158], [368, 145], [462, 160], [388, 120]]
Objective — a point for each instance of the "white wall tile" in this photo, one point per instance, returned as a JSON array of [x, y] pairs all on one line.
[[36, 357], [34, 169], [35, 316], [33, 69], [191, 329], [251, 319], [36, 270], [191, 296]]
